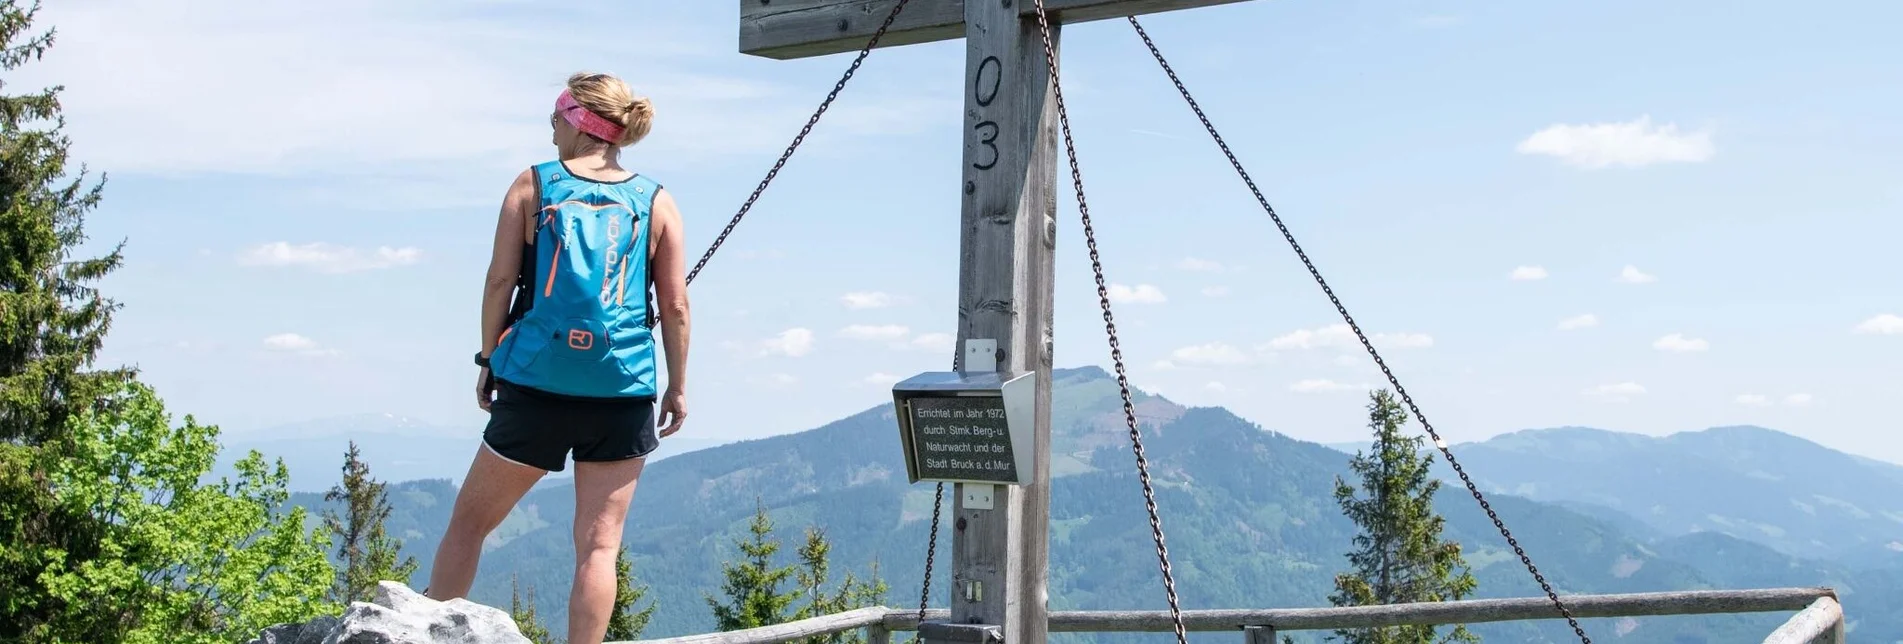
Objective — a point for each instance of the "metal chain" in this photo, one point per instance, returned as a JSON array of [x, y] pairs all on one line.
[[788, 154], [1409, 400], [1110, 328], [931, 541], [931, 545]]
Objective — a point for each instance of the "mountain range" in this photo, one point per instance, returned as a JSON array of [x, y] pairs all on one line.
[[1249, 514], [401, 449]]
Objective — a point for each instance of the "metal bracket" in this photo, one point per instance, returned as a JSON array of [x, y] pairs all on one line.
[[978, 495], [981, 354]]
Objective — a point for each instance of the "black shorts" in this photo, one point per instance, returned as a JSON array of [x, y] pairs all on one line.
[[538, 429]]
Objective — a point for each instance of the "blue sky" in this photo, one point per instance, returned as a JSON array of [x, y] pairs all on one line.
[[1706, 193]]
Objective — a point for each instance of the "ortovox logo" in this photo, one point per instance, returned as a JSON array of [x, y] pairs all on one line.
[[580, 340]]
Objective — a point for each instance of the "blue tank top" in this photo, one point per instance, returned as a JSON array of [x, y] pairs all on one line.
[[584, 323]]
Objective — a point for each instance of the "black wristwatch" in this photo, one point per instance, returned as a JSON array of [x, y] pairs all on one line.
[[481, 361]]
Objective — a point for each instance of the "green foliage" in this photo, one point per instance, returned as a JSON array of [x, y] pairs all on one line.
[[174, 561], [625, 623], [524, 615], [851, 593], [753, 591], [752, 587], [1399, 556], [367, 552]]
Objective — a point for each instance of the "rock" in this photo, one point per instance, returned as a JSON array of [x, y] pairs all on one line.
[[399, 615]]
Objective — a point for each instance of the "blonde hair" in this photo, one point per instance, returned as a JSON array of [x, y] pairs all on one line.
[[612, 99]]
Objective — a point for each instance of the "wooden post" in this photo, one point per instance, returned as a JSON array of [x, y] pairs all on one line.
[[1007, 231], [1258, 635], [1006, 271]]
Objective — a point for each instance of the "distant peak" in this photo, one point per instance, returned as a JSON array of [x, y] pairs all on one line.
[[1088, 372], [1742, 430]]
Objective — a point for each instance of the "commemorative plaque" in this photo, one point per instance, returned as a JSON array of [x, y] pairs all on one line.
[[965, 427]]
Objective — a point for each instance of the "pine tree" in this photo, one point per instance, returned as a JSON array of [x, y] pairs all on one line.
[[523, 612], [1399, 556], [368, 554], [851, 594], [51, 326], [625, 623], [52, 321], [752, 588]]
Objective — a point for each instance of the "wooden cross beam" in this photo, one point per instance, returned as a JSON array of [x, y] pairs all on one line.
[[1007, 236], [787, 29]]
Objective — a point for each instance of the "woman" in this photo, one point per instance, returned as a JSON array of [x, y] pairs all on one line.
[[571, 365]]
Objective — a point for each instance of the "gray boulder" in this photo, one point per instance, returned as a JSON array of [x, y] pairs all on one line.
[[399, 615]]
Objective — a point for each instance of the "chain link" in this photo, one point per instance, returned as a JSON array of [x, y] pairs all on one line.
[[931, 552], [788, 154], [1110, 328], [1405, 398]]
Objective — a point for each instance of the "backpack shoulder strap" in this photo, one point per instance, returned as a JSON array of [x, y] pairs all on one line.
[[642, 188]]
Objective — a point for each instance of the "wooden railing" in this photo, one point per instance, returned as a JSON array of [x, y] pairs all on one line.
[[1820, 619]]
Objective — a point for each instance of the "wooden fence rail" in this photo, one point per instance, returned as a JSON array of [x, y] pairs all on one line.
[[1820, 619], [1821, 623]]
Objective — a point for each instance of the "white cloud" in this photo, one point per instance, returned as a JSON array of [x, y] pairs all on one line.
[[886, 332], [936, 342], [1199, 265], [1340, 336], [1212, 354], [430, 88], [1139, 294], [1334, 335], [329, 258], [296, 344], [1527, 273], [1885, 324], [1798, 400], [881, 379], [1678, 343], [1216, 387], [1579, 322], [290, 342], [1619, 392], [1632, 275], [1753, 400], [1215, 291], [793, 342], [1163, 365], [866, 300], [1631, 144], [1319, 386]]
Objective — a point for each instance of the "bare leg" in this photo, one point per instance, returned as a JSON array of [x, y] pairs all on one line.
[[602, 493], [489, 492]]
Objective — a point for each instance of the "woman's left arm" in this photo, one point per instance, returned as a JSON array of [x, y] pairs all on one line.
[[670, 291]]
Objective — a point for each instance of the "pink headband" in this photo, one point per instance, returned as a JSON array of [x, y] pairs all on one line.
[[586, 120]]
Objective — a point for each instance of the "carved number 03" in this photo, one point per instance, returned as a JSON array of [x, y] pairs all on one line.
[[988, 129]]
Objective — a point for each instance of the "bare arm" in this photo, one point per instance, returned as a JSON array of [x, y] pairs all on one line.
[[670, 293], [670, 288], [505, 265]]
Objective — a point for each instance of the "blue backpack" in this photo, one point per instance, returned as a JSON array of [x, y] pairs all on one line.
[[582, 323]]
